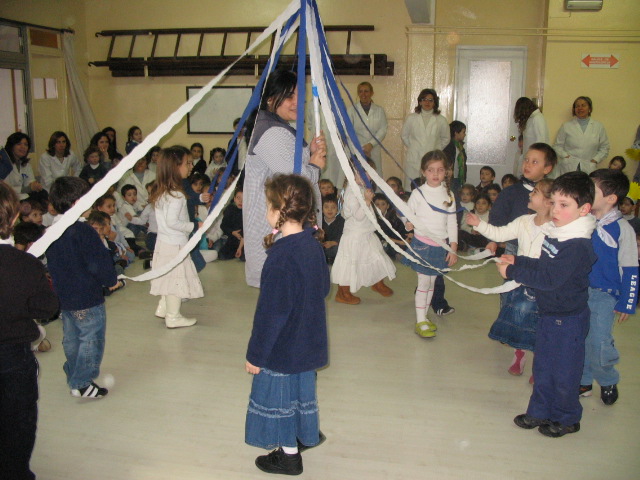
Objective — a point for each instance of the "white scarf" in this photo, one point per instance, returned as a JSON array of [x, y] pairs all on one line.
[[8, 241], [583, 227], [611, 216]]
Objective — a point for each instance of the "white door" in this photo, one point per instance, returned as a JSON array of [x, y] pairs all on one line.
[[489, 80]]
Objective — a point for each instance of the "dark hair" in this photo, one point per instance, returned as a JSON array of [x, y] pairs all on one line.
[[131, 130], [620, 159], [27, 232], [436, 100], [198, 177], [471, 188], [576, 185], [96, 138], [381, 196], [197, 144], [522, 111], [280, 85], [126, 188], [100, 201], [492, 186], [483, 196], [65, 191], [331, 198], [51, 150], [456, 127], [28, 205], [611, 182], [486, 168], [150, 153], [509, 176], [586, 99], [87, 153], [293, 197], [12, 141], [97, 217], [113, 144], [236, 122], [216, 150], [550, 155], [9, 208]]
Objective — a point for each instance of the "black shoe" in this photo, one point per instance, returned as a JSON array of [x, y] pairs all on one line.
[[302, 448], [609, 394], [145, 254], [90, 391], [279, 462], [555, 430], [146, 264], [445, 311], [528, 422], [585, 390]]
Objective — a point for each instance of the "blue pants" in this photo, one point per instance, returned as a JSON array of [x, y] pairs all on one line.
[[601, 354], [18, 409], [83, 342], [557, 368]]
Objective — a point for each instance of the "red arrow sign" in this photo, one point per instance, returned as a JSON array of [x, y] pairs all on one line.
[[599, 61]]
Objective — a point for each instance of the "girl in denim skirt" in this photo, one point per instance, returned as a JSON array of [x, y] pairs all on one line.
[[289, 337], [425, 202]]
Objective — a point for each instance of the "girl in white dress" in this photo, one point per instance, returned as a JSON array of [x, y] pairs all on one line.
[[361, 261], [174, 228]]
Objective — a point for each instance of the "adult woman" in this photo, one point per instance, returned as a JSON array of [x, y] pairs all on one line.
[[272, 150], [423, 131], [113, 143], [372, 122], [139, 177], [101, 140], [58, 160], [581, 142], [21, 176], [532, 126]]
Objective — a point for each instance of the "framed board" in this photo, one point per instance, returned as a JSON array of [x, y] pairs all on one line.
[[217, 111]]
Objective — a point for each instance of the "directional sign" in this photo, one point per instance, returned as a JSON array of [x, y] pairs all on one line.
[[600, 60]]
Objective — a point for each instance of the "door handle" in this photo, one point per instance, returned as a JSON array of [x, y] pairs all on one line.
[[512, 138]]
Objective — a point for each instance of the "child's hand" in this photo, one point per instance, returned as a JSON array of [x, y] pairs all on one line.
[[329, 244], [92, 180], [408, 226], [452, 259], [210, 243], [239, 252], [473, 219], [623, 316], [509, 259], [502, 269], [205, 197], [199, 225], [237, 234], [252, 369], [368, 196], [492, 247], [128, 216]]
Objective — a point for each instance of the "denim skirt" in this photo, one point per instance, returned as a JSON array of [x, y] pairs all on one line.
[[434, 256], [282, 409], [518, 318]]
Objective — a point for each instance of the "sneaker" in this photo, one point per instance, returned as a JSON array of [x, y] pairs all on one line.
[[585, 390], [279, 462], [609, 394], [528, 422], [90, 391], [555, 430], [443, 312], [424, 332], [302, 448]]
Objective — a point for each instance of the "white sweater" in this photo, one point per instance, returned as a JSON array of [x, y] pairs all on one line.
[[174, 226], [523, 228], [432, 224]]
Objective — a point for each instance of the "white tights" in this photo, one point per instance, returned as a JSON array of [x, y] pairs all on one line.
[[424, 294]]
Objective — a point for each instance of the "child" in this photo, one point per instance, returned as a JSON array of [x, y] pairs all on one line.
[[456, 154], [289, 337], [383, 204], [396, 185], [508, 180], [332, 226], [436, 192], [94, 170], [121, 234], [134, 138], [612, 284], [232, 227], [467, 237], [199, 163], [492, 191], [468, 196], [31, 211], [174, 228], [80, 266], [360, 261], [627, 208], [327, 187], [101, 223], [217, 163], [129, 210], [24, 295], [560, 281], [518, 317], [487, 176], [152, 157], [618, 163], [148, 219]]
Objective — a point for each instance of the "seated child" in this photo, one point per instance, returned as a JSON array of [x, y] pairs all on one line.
[[134, 138], [94, 170], [617, 163], [332, 226], [119, 233], [148, 219], [232, 227], [31, 211], [560, 280], [382, 202], [217, 163], [199, 163], [467, 236], [493, 191], [101, 223], [627, 208], [508, 180], [327, 187], [487, 177], [130, 210]]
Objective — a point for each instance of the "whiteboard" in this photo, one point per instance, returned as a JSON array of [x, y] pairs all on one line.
[[218, 109]]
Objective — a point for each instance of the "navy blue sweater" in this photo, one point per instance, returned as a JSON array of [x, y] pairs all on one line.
[[80, 266], [560, 277], [290, 324]]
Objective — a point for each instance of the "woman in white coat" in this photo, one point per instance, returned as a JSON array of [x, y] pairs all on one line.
[[372, 122], [423, 131], [20, 177], [582, 142], [532, 126], [58, 160], [139, 177]]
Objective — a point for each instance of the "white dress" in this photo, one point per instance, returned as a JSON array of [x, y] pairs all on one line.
[[174, 228], [361, 261]]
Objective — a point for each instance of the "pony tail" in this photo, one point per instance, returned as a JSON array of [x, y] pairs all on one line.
[[270, 239], [447, 183]]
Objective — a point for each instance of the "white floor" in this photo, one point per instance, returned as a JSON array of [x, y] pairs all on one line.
[[393, 406]]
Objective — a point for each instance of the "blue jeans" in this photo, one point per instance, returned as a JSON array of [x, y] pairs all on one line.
[[83, 342], [18, 409], [601, 354]]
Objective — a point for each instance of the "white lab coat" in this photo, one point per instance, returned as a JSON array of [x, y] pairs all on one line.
[[574, 146], [131, 179], [376, 121], [21, 178], [536, 131], [51, 167], [420, 140]]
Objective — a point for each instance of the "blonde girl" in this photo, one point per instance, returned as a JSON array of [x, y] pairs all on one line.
[[516, 322], [174, 228], [442, 225]]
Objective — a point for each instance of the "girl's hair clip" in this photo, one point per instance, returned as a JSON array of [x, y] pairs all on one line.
[[274, 231]]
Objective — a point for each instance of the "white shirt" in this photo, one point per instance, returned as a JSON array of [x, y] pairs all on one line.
[[51, 167], [580, 147], [432, 224], [174, 226]]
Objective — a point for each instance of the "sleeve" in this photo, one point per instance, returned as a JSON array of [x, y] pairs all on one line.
[[540, 129], [381, 131], [97, 258], [84, 173], [27, 178], [628, 262], [75, 163], [42, 301], [500, 213], [560, 140], [500, 234], [452, 225], [274, 307], [603, 145], [406, 132], [174, 207], [544, 274], [352, 207], [227, 221], [444, 133], [45, 171]]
